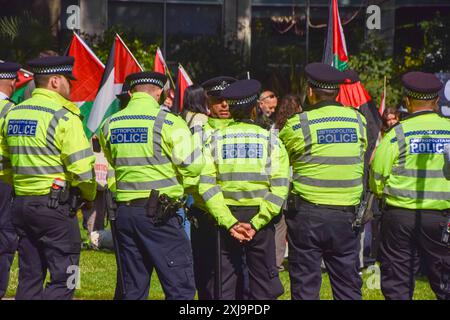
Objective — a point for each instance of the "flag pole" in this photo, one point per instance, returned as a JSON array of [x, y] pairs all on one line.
[[170, 76]]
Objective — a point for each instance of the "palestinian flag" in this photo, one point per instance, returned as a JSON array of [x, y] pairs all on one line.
[[121, 63], [160, 64], [335, 53], [183, 81], [88, 70], [24, 86]]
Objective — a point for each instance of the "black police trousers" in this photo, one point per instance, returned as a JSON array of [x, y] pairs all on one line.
[[144, 246], [8, 236], [49, 239], [318, 232], [406, 235], [203, 240], [260, 263]]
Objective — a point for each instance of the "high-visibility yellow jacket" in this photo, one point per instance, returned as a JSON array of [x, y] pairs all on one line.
[[5, 106], [201, 134], [149, 148], [408, 167], [43, 139], [246, 165], [326, 149]]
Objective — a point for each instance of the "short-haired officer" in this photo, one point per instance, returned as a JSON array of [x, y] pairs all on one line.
[[52, 170], [408, 172], [244, 185], [151, 150], [326, 148], [203, 229], [8, 236]]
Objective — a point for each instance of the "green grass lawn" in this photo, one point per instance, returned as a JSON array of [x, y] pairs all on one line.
[[98, 277]]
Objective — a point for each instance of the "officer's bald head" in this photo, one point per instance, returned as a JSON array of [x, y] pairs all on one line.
[[151, 89]]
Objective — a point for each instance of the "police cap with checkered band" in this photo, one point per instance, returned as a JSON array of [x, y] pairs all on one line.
[[8, 70], [421, 85], [146, 77], [62, 65], [215, 86], [242, 93], [324, 76]]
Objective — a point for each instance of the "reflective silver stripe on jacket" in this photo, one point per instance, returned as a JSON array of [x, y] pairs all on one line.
[[140, 161], [79, 155], [38, 170], [243, 176], [418, 173], [328, 183], [147, 185], [276, 200], [6, 109], [413, 194], [211, 192], [238, 195]]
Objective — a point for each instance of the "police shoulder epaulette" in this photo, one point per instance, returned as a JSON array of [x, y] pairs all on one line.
[[73, 111]]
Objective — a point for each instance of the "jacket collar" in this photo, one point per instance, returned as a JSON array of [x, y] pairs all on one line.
[[56, 97], [142, 97]]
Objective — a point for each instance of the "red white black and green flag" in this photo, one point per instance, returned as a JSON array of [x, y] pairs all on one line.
[[88, 69], [121, 63], [335, 53], [24, 86], [183, 81]]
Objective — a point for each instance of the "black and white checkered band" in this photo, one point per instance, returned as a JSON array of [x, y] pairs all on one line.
[[156, 82], [239, 102], [323, 85], [53, 69], [220, 87], [8, 75], [421, 95]]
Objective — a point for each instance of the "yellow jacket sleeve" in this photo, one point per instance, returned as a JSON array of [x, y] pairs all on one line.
[[212, 193], [186, 154], [77, 156], [385, 156], [279, 184]]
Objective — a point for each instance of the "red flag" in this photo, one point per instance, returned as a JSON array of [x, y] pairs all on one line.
[[88, 70], [183, 81], [160, 63]]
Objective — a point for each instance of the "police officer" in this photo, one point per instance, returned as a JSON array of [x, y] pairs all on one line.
[[244, 185], [203, 230], [151, 149], [408, 172], [51, 161], [326, 149], [8, 236]]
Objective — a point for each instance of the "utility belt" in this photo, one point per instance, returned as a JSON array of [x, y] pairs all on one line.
[[159, 207], [60, 194]]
